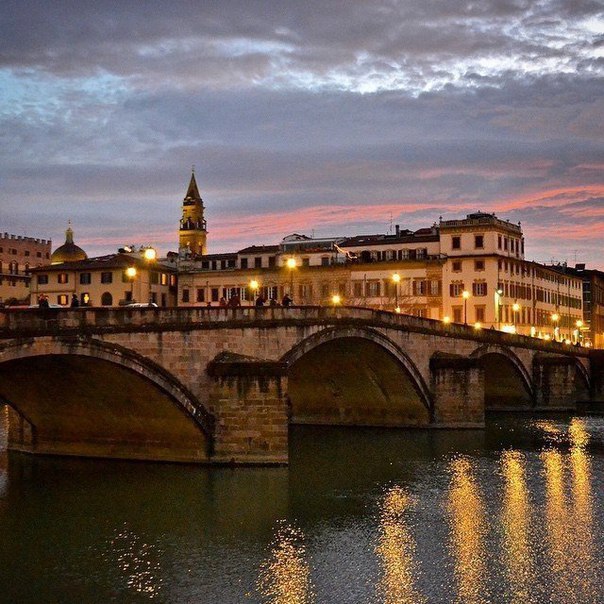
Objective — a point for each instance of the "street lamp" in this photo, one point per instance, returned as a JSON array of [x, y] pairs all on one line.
[[396, 279], [555, 318], [336, 299], [465, 295], [291, 265], [446, 320], [516, 308], [498, 296], [254, 287], [579, 325], [150, 254], [131, 274]]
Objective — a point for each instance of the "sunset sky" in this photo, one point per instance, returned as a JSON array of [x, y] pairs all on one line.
[[334, 117]]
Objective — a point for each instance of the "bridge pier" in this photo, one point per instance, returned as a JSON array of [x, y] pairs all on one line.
[[250, 406], [555, 380], [458, 391], [20, 435]]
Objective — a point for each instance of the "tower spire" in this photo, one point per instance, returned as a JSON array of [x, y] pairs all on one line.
[[193, 232]]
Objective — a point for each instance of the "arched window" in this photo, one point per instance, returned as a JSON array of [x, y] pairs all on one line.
[[106, 299]]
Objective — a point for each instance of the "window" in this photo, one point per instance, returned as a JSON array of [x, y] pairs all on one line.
[[185, 295], [154, 277], [85, 278], [434, 287], [42, 279], [271, 261], [164, 279], [421, 252], [479, 313], [324, 260], [84, 298], [478, 241], [201, 295], [244, 263], [38, 254], [479, 288], [419, 288], [106, 299], [456, 243], [478, 265], [505, 244], [498, 241], [455, 290], [258, 262], [457, 314], [27, 252], [357, 289], [62, 299], [324, 290], [214, 294], [63, 278], [305, 261], [107, 277], [373, 289], [457, 266]]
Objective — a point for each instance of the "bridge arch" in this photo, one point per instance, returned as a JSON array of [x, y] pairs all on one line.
[[87, 397], [355, 375], [508, 382]]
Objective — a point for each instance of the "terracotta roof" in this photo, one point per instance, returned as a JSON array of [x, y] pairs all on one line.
[[101, 262], [260, 249]]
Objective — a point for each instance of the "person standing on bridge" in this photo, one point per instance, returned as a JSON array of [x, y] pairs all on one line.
[[287, 301], [74, 301]]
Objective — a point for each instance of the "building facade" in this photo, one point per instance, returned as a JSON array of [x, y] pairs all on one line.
[[17, 256], [469, 271], [112, 280]]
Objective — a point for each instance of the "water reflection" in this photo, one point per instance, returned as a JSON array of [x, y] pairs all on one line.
[[468, 528], [516, 523], [137, 562], [396, 550], [583, 539], [285, 575]]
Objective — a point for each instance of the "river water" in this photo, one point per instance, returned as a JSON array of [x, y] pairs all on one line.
[[513, 513]]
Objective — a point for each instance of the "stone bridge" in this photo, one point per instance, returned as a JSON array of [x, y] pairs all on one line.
[[221, 385]]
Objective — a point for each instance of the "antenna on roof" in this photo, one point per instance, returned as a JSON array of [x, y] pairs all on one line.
[[390, 229]]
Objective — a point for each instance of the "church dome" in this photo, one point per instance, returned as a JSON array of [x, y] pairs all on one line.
[[69, 251]]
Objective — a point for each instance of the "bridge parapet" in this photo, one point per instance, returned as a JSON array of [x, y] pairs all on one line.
[[38, 322]]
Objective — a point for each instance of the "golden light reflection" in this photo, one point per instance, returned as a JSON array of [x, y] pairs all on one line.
[[138, 562], [285, 576], [468, 528], [396, 551], [558, 528], [583, 522], [516, 521]]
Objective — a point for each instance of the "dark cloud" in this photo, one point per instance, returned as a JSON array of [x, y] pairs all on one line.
[[288, 109]]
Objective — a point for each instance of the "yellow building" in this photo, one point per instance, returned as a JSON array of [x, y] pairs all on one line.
[[111, 280], [469, 271]]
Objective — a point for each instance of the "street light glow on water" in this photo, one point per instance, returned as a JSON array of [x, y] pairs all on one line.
[[510, 514]]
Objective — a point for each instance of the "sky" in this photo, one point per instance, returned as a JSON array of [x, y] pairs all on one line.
[[338, 117]]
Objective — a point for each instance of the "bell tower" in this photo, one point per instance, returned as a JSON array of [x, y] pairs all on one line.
[[193, 232]]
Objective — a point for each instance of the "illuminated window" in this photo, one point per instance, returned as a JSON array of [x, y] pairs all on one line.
[[62, 299], [63, 278]]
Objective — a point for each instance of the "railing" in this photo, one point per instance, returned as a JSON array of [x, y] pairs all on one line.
[[86, 321]]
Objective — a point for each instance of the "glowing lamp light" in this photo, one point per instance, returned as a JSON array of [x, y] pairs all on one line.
[[579, 323], [336, 299], [547, 337], [446, 320], [465, 294], [555, 317], [478, 325], [150, 254], [397, 310], [131, 272], [516, 307], [396, 278], [254, 285], [508, 329], [291, 263]]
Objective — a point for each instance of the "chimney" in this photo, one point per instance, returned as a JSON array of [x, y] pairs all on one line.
[[397, 229]]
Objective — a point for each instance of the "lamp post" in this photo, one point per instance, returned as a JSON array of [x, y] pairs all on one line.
[[254, 286], [515, 308], [291, 265], [579, 325], [396, 279], [498, 295], [150, 255], [465, 295], [131, 274], [555, 318]]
